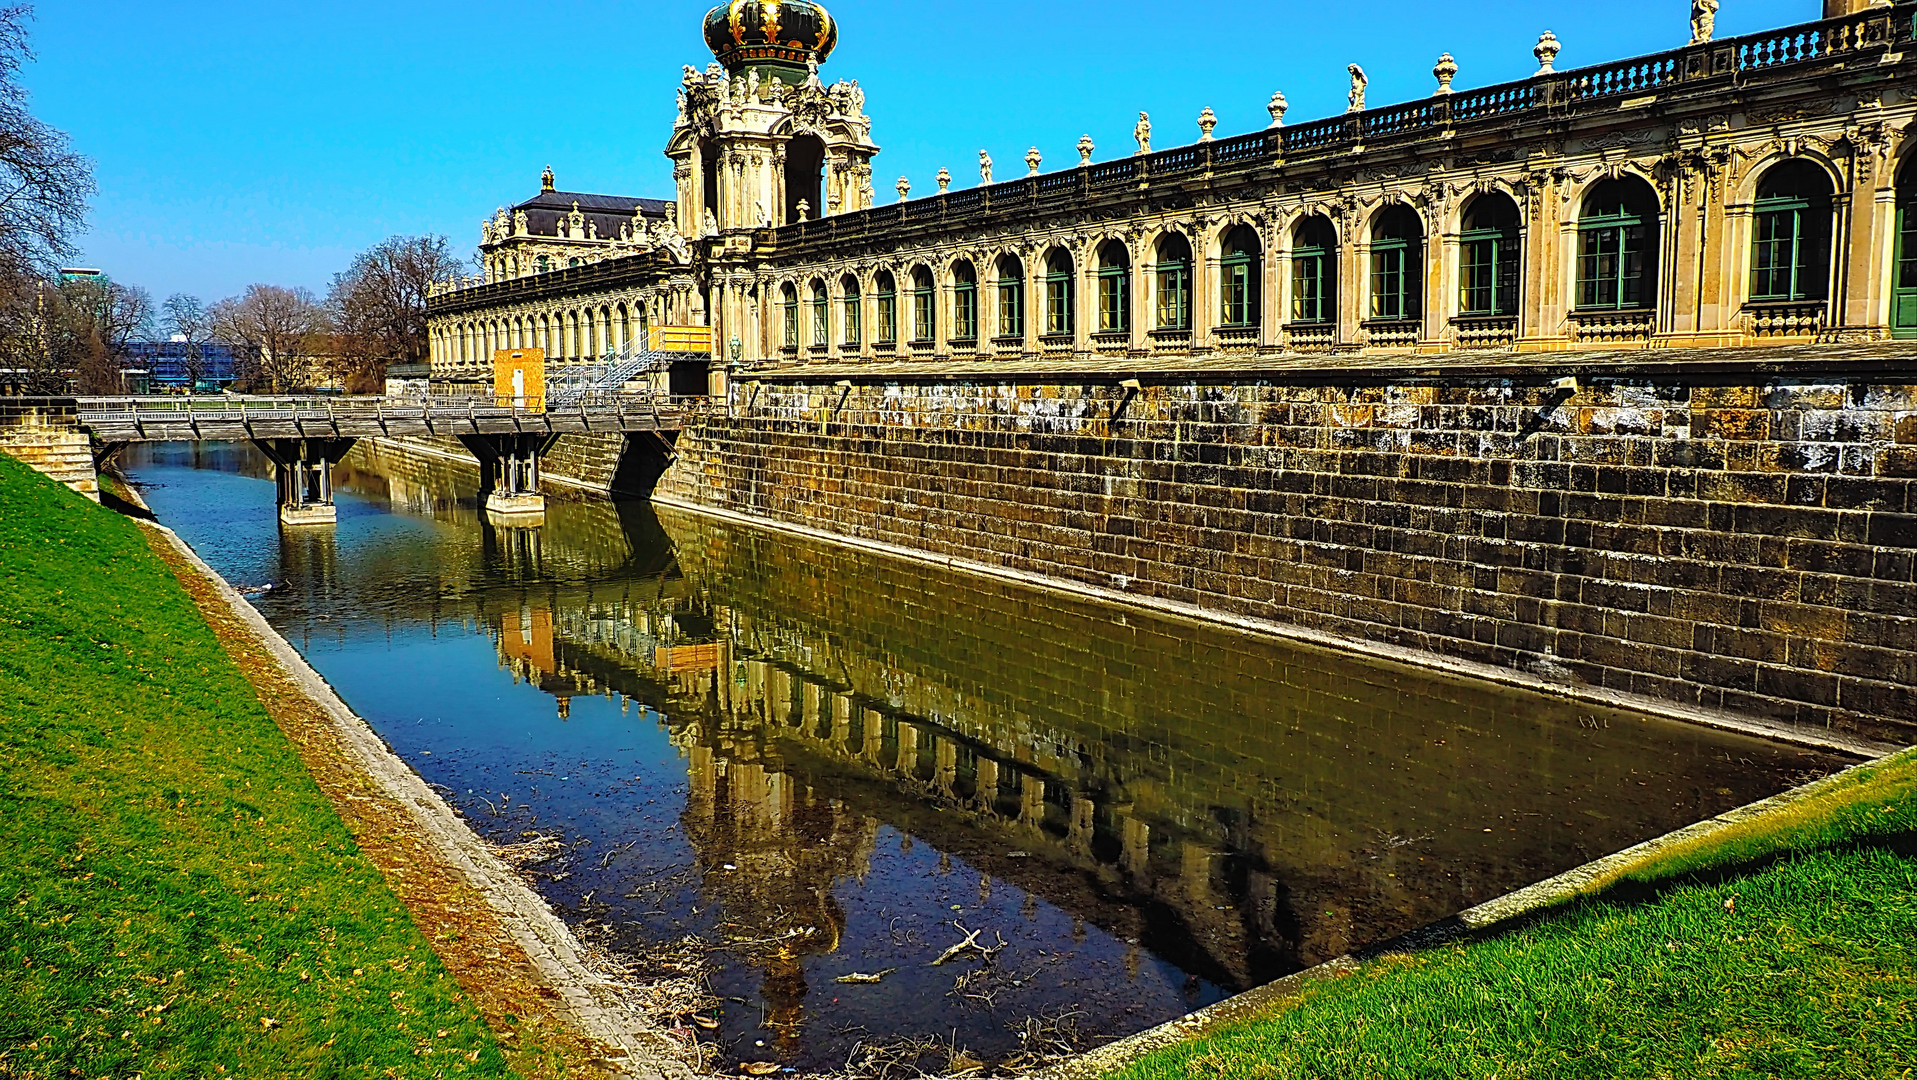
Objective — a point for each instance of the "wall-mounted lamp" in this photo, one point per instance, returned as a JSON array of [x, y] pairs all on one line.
[[1131, 387]]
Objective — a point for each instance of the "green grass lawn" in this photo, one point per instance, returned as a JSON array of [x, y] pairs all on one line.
[[1784, 947], [177, 897]]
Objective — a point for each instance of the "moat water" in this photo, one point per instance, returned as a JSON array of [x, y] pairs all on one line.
[[801, 762]]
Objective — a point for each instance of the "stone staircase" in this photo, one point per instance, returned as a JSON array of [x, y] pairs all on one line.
[[50, 441]]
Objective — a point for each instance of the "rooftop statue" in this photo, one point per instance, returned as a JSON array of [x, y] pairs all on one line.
[[1356, 98], [1143, 133], [984, 167], [1703, 20]]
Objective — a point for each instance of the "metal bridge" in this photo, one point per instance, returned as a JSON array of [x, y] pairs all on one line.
[[118, 420], [305, 437]]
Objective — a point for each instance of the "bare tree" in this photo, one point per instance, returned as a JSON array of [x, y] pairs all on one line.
[[187, 320], [378, 305], [102, 318], [275, 331], [44, 185], [37, 349]]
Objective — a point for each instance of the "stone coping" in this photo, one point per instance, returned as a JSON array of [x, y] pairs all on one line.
[[1504, 912], [1892, 359], [639, 1048]]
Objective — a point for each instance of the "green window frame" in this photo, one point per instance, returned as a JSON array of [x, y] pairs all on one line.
[[1488, 272], [1903, 311], [1058, 300], [1790, 257], [1616, 260], [965, 310], [821, 330], [852, 327], [1011, 306], [888, 298], [1114, 299], [1238, 289], [1174, 294], [924, 309], [1395, 280], [1310, 274], [790, 304]]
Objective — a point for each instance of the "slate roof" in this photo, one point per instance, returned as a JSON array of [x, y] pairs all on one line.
[[609, 211]]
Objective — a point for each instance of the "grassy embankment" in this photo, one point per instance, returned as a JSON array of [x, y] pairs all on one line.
[[177, 896], [1783, 947]]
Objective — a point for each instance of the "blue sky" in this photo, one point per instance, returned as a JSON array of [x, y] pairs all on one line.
[[268, 142]]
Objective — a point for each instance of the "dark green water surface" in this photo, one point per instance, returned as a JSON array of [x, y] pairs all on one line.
[[815, 762]]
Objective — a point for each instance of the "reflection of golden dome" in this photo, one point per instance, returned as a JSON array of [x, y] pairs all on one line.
[[771, 33]]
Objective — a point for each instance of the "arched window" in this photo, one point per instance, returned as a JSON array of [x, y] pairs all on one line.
[[1488, 257], [964, 302], [1790, 253], [789, 303], [887, 291], [1617, 247], [1173, 270], [1397, 262], [924, 306], [849, 289], [1011, 297], [544, 264], [1058, 292], [572, 263], [821, 333], [1238, 284], [1114, 288], [1903, 297], [804, 173], [1314, 271]]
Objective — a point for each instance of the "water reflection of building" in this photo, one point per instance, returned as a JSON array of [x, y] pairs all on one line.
[[526, 649], [791, 777], [1239, 807]]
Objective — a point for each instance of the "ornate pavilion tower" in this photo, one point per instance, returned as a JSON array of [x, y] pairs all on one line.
[[759, 139]]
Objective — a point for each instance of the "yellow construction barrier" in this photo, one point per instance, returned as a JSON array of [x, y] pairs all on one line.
[[519, 378], [682, 339]]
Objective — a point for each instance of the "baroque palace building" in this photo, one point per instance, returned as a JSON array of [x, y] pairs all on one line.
[[1732, 192]]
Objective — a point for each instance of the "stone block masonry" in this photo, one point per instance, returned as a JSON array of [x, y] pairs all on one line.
[[1704, 533], [47, 436]]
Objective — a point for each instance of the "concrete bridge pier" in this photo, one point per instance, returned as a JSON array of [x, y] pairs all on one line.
[[303, 470], [509, 475]]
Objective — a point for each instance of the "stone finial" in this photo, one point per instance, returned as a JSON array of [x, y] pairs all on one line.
[[1207, 121], [1143, 133], [905, 189], [984, 167], [944, 178], [1547, 52], [805, 209], [1032, 160], [1085, 150], [1277, 107], [545, 180], [1703, 20], [1355, 100], [1446, 70]]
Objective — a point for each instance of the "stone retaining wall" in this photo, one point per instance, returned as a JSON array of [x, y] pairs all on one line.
[[588, 462], [1732, 543], [47, 436]]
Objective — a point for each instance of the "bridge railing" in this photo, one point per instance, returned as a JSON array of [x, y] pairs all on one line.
[[322, 411]]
